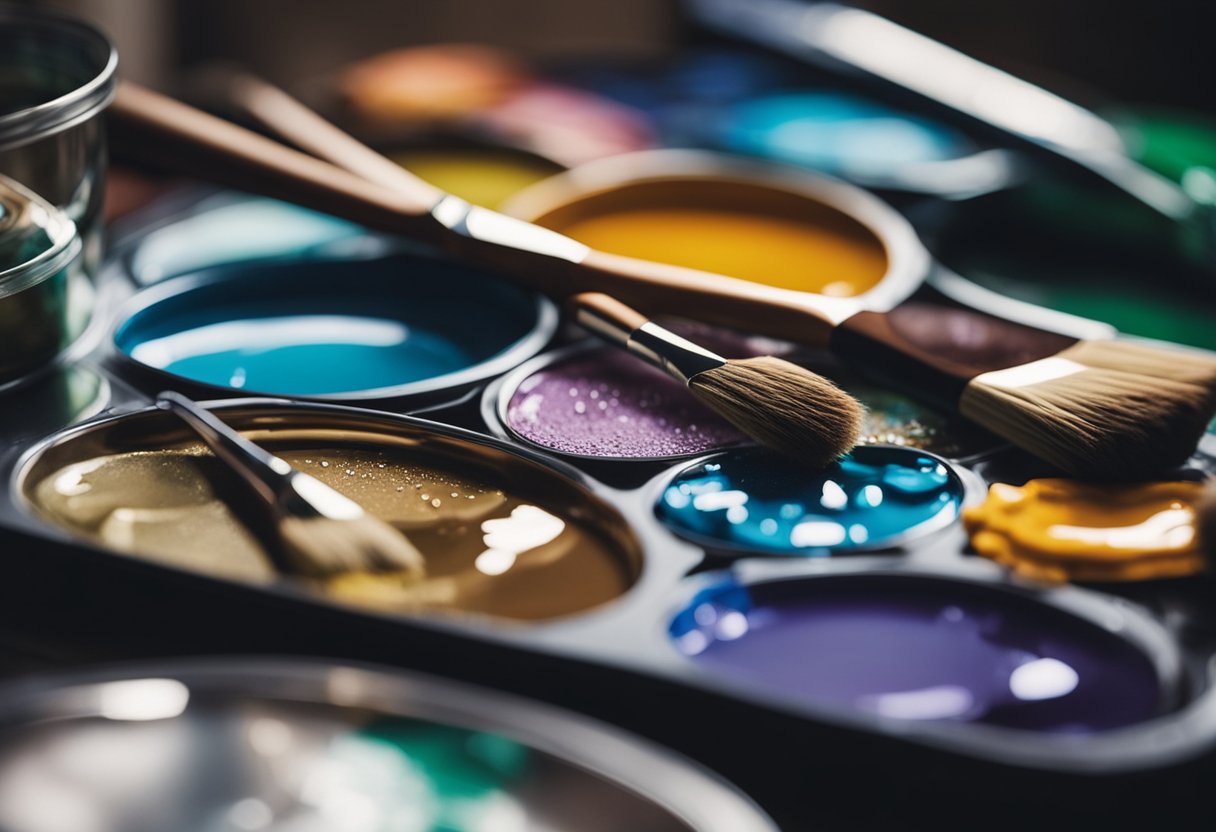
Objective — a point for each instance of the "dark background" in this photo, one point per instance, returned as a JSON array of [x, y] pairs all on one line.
[[1159, 53]]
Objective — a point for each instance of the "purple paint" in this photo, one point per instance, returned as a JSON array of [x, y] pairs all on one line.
[[911, 648], [605, 403]]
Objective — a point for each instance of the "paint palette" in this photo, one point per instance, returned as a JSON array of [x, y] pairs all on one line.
[[590, 535]]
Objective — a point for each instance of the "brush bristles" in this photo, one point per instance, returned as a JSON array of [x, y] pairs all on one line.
[[1094, 420], [782, 405], [322, 547], [1205, 524]]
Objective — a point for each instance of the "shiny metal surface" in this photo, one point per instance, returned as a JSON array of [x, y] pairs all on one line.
[[57, 76]]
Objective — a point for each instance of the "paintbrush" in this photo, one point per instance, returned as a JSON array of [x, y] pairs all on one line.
[[320, 532], [1094, 409], [773, 401], [860, 44], [1205, 524]]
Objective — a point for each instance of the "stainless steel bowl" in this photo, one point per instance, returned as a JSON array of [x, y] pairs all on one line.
[[56, 79]]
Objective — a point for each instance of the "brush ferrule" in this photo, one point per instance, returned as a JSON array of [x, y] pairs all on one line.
[[489, 226], [678, 357]]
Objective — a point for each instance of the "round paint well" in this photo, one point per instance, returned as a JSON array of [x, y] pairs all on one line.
[[227, 229], [754, 500], [838, 133], [335, 328], [605, 404], [257, 744], [778, 227], [915, 648], [500, 534]]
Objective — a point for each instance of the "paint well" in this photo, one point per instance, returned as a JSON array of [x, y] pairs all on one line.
[[916, 649], [234, 230], [208, 759], [755, 500], [737, 229], [486, 550], [483, 176], [1060, 529], [327, 327], [604, 403], [836, 132]]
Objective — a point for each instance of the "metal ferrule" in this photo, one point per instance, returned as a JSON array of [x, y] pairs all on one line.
[[678, 357], [492, 227]]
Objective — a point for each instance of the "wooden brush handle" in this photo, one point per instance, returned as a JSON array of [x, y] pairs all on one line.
[[288, 118], [187, 140], [154, 128]]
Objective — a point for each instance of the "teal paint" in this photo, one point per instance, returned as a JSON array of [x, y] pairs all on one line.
[[754, 500], [326, 327]]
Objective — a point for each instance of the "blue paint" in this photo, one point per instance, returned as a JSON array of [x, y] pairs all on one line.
[[236, 230], [754, 500], [836, 133], [326, 327]]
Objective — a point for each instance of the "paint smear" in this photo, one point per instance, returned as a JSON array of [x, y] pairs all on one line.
[[1062, 529]]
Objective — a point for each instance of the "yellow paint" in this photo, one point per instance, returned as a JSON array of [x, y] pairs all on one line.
[[773, 249], [483, 176], [1061, 529]]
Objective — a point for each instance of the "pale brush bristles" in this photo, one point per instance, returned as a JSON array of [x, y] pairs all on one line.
[[782, 405], [1189, 366], [1093, 421], [322, 547]]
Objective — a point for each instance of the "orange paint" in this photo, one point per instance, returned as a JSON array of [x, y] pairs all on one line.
[[1062, 529], [773, 248]]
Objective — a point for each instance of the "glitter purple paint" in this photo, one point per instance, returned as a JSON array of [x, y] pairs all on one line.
[[604, 403]]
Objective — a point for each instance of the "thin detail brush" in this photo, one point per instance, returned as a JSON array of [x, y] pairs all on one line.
[[321, 532]]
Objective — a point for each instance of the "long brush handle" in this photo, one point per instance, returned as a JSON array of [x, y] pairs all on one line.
[[162, 130]]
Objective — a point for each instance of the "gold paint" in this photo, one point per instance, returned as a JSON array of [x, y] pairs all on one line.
[[758, 247], [1062, 529], [486, 551]]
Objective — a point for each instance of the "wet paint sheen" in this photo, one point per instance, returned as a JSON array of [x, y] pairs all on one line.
[[329, 326], [915, 649], [757, 245], [1063, 529], [483, 176], [751, 499], [486, 551], [303, 354]]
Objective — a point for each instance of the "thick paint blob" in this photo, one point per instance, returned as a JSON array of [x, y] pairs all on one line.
[[231, 229], [486, 551], [605, 403], [212, 760], [769, 237], [483, 176], [836, 132], [916, 649], [330, 326], [1062, 529], [754, 500]]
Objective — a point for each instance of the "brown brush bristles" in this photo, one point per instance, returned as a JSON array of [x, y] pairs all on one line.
[[1205, 525], [1096, 422], [322, 547], [782, 405]]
